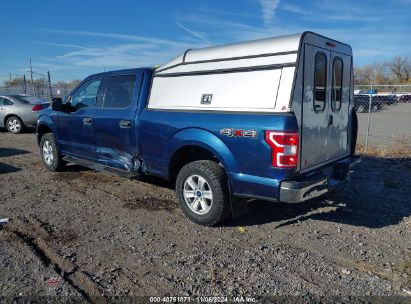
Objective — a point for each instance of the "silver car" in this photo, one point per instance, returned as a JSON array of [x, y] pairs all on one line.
[[19, 111]]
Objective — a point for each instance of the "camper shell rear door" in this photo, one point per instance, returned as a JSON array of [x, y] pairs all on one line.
[[326, 101]]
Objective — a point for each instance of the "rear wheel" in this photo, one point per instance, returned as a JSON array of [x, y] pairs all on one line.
[[50, 154], [14, 125], [202, 192]]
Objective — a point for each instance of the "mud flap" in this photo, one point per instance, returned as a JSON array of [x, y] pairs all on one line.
[[239, 206]]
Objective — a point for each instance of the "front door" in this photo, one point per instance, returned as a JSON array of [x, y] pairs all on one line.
[[114, 124], [327, 80], [75, 134]]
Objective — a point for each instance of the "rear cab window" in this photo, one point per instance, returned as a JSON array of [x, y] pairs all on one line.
[[119, 91], [320, 81]]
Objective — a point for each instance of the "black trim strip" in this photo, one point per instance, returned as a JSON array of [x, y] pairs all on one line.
[[184, 57], [225, 59], [222, 112], [232, 70]]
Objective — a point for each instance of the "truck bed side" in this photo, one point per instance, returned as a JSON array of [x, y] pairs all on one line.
[[164, 134]]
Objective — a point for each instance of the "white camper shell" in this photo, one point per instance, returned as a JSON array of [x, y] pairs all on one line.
[[307, 74]]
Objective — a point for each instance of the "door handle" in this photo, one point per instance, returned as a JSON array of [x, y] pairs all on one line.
[[87, 120], [125, 124], [330, 120]]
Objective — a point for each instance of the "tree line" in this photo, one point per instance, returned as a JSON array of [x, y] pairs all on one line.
[[40, 82], [395, 71]]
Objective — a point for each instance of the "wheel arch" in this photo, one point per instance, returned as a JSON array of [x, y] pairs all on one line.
[[42, 129], [187, 154], [198, 144]]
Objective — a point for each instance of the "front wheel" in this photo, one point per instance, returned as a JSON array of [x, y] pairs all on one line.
[[202, 192], [50, 154]]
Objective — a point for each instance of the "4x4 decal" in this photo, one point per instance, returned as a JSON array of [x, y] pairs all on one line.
[[230, 132]]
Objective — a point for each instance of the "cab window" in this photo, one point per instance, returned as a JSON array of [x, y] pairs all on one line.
[[86, 95], [337, 84], [119, 91], [320, 81]]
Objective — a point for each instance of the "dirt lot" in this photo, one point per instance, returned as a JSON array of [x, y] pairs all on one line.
[[78, 235]]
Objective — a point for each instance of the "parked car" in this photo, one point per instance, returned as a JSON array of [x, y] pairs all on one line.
[[246, 120], [404, 98], [385, 99], [362, 103], [19, 111]]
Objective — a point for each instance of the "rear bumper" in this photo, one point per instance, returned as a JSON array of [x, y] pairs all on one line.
[[317, 183]]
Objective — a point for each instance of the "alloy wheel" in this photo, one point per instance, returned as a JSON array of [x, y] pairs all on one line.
[[198, 194]]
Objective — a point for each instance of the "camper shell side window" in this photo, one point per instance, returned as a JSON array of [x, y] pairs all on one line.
[[337, 84], [320, 81]]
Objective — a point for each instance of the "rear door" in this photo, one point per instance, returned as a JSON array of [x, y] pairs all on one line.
[[340, 73], [114, 124], [325, 106]]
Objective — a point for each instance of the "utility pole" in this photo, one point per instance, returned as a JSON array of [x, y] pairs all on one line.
[[24, 84], [31, 73], [51, 94], [31, 77], [10, 77]]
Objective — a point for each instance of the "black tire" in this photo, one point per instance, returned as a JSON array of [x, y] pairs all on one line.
[[55, 163], [14, 125], [216, 181]]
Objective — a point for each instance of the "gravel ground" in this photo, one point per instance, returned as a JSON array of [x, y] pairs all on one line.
[[89, 236]]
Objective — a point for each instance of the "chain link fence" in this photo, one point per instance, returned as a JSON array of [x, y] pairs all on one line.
[[384, 118], [39, 90]]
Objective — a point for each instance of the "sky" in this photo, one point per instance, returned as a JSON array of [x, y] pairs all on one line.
[[73, 39]]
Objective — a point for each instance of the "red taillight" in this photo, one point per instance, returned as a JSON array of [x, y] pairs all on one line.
[[284, 147], [37, 108]]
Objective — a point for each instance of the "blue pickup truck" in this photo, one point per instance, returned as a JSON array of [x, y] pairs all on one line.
[[270, 119]]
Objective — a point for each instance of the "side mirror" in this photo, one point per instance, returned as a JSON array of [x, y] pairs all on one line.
[[57, 104]]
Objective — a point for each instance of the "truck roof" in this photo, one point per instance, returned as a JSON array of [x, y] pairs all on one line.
[[123, 71]]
